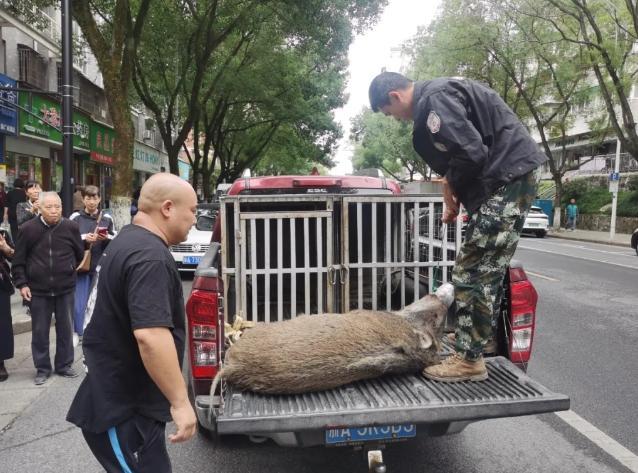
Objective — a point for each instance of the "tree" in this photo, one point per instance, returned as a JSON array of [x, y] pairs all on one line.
[[506, 45], [385, 144], [608, 31]]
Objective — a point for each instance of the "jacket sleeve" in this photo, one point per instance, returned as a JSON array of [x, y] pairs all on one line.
[[22, 213], [19, 263], [78, 243], [458, 135]]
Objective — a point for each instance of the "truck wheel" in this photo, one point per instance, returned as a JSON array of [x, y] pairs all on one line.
[[541, 234]]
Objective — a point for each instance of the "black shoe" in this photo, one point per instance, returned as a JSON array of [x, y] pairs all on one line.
[[3, 373], [40, 379], [68, 373]]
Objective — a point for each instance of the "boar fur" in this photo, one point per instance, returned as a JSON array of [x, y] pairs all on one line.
[[318, 352]]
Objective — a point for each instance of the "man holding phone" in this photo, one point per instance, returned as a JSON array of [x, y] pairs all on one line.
[[96, 228]]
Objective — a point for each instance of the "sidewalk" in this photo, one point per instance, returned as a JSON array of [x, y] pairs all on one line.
[[620, 239], [21, 321]]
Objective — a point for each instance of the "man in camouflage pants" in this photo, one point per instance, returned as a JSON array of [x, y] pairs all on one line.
[[466, 133]]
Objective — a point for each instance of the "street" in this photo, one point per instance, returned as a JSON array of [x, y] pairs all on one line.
[[585, 342]]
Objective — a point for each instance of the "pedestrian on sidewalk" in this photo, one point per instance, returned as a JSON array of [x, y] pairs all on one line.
[[572, 215], [6, 290], [49, 283], [96, 230], [14, 197], [3, 203], [30, 208], [78, 198], [489, 163], [134, 339]]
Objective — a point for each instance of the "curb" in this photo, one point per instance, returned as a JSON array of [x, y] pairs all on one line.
[[21, 326], [588, 240]]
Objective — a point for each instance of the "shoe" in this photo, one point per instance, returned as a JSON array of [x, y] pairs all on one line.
[[3, 373], [76, 339], [68, 373], [456, 368], [41, 379]]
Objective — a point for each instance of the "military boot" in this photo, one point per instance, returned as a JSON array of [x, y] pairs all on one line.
[[456, 368]]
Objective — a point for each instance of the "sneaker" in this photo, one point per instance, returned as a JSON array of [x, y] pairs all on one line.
[[76, 339], [68, 373], [41, 379], [456, 368]]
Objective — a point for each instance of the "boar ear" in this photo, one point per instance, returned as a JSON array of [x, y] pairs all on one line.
[[425, 340]]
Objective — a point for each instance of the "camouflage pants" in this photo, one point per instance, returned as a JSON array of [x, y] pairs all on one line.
[[490, 241]]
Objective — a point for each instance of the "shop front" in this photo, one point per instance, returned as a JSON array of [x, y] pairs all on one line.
[[98, 169], [8, 123], [146, 162], [37, 152]]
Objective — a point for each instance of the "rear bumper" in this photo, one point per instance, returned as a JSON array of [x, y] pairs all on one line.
[[390, 400]]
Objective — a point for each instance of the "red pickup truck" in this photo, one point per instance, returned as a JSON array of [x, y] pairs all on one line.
[[289, 245]]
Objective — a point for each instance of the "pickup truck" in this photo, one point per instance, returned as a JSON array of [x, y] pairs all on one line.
[[290, 245]]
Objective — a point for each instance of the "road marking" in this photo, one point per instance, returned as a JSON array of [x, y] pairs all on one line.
[[541, 276], [578, 257], [601, 439]]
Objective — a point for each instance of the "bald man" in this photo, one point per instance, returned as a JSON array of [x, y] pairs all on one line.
[[134, 339]]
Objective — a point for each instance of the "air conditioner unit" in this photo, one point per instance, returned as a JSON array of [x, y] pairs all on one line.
[[147, 134]]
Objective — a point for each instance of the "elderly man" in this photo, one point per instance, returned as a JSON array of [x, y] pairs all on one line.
[[48, 251], [134, 340]]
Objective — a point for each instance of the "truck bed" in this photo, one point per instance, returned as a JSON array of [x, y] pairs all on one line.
[[388, 400]]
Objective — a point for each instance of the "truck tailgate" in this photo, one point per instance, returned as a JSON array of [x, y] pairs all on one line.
[[390, 400]]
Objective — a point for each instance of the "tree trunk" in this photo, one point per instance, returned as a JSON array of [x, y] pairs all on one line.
[[557, 201]]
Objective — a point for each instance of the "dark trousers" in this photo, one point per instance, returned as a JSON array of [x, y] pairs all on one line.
[[41, 309], [137, 445], [6, 327]]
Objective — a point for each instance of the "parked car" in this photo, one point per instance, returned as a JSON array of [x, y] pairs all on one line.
[[634, 241], [536, 222], [189, 253]]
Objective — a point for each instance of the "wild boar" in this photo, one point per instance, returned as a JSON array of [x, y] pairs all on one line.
[[317, 352]]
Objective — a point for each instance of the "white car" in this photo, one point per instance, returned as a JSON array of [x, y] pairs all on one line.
[[536, 222], [189, 253]]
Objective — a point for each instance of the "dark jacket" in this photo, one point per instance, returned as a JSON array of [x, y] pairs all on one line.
[[46, 257], [87, 224], [14, 197], [467, 133], [24, 212]]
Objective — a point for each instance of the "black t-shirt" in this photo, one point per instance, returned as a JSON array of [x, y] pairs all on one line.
[[137, 285]]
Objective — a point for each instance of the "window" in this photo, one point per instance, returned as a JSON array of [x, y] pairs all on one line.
[[33, 67]]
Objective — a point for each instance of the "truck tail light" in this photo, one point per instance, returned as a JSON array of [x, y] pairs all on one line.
[[523, 299], [204, 312]]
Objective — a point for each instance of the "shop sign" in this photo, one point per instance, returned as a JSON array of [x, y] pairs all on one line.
[[146, 159], [184, 170], [102, 143], [47, 122], [8, 113]]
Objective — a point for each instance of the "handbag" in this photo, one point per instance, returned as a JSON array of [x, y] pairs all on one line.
[[85, 264], [6, 283]]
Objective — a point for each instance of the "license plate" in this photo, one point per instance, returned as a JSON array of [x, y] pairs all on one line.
[[366, 434], [532, 224], [191, 259]]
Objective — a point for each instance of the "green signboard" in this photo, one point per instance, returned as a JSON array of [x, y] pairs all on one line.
[[102, 143], [45, 121]]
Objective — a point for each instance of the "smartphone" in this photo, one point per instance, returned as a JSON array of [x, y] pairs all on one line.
[[102, 231]]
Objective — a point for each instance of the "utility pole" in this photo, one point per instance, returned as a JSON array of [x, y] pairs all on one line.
[[67, 110], [614, 181]]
